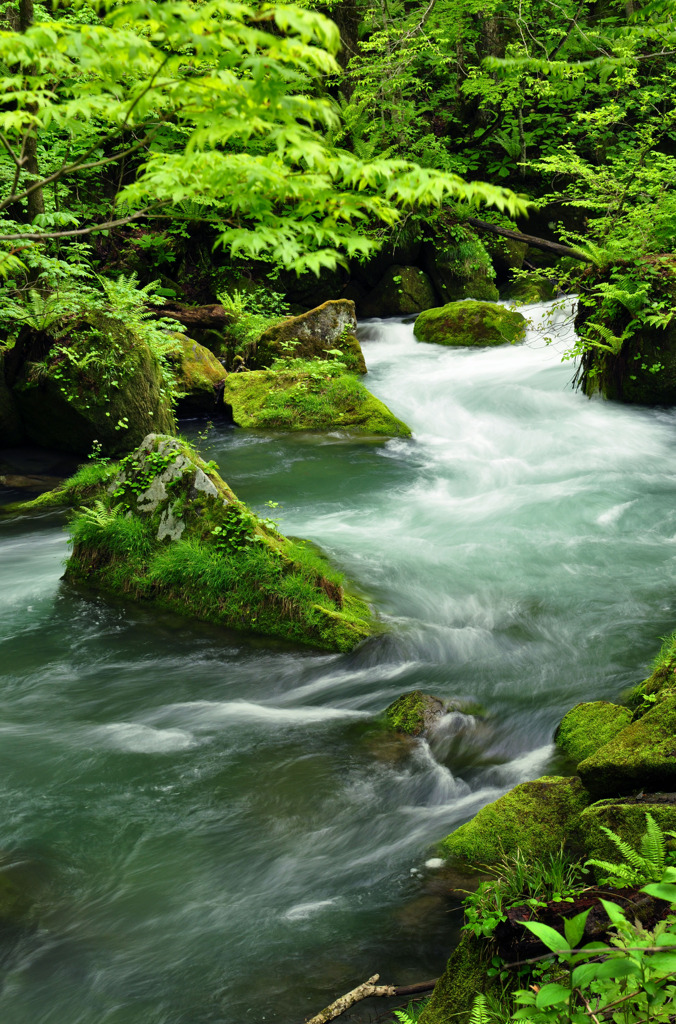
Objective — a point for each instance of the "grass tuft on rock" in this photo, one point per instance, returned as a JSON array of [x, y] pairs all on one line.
[[168, 529]]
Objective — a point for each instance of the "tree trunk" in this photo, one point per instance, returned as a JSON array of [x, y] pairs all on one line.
[[35, 200]]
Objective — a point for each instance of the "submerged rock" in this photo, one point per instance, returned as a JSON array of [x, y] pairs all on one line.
[[315, 396], [535, 817], [470, 323], [400, 291], [327, 332], [586, 727], [168, 529], [640, 756], [199, 377], [413, 713]]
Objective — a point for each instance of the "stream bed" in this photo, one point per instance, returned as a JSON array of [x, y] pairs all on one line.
[[209, 829]]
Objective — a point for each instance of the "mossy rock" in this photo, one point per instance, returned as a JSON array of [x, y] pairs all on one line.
[[400, 292], [199, 377], [589, 726], [534, 817], [116, 398], [308, 396], [530, 288], [80, 489], [11, 428], [461, 269], [413, 713], [470, 324], [506, 253], [464, 977], [641, 756], [627, 819], [169, 530], [318, 334]]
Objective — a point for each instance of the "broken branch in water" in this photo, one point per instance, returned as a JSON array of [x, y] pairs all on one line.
[[364, 991]]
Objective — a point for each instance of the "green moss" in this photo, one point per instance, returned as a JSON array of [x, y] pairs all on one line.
[[465, 975], [100, 383], [641, 756], [308, 395], [626, 819], [197, 374], [470, 323], [400, 292], [79, 489], [171, 531], [412, 712], [534, 817], [529, 288], [660, 683], [587, 727], [320, 333]]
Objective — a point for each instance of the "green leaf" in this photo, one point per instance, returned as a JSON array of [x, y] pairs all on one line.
[[574, 927], [661, 890], [551, 938], [552, 995], [614, 913]]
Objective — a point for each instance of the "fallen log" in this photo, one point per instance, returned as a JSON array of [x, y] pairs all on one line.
[[365, 991], [202, 318], [533, 240]]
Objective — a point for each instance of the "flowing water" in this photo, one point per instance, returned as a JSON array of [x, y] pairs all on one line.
[[208, 827]]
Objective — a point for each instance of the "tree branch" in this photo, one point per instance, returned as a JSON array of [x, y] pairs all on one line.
[[38, 236], [533, 240]]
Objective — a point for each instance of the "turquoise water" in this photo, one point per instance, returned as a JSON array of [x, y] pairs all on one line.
[[208, 829]]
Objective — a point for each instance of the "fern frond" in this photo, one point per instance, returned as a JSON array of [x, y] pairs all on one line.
[[653, 847], [632, 856], [622, 872], [479, 1012]]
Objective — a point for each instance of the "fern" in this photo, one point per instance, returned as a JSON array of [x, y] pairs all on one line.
[[611, 342], [99, 514], [479, 1012], [638, 868]]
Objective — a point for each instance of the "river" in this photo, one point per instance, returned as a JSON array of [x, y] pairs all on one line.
[[208, 826]]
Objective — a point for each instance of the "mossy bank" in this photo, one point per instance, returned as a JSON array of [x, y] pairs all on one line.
[[168, 529]]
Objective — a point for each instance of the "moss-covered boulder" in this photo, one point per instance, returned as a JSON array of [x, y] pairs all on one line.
[[535, 817], [198, 376], [100, 382], [80, 489], [464, 977], [312, 395], [641, 756], [589, 726], [168, 529], [413, 713], [400, 292], [11, 428], [627, 819], [470, 323], [460, 268], [530, 288], [327, 332]]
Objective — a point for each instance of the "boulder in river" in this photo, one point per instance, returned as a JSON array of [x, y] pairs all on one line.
[[327, 332], [535, 817], [414, 713], [199, 377], [318, 395], [169, 530], [640, 756], [586, 727], [400, 292], [530, 288], [470, 324]]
